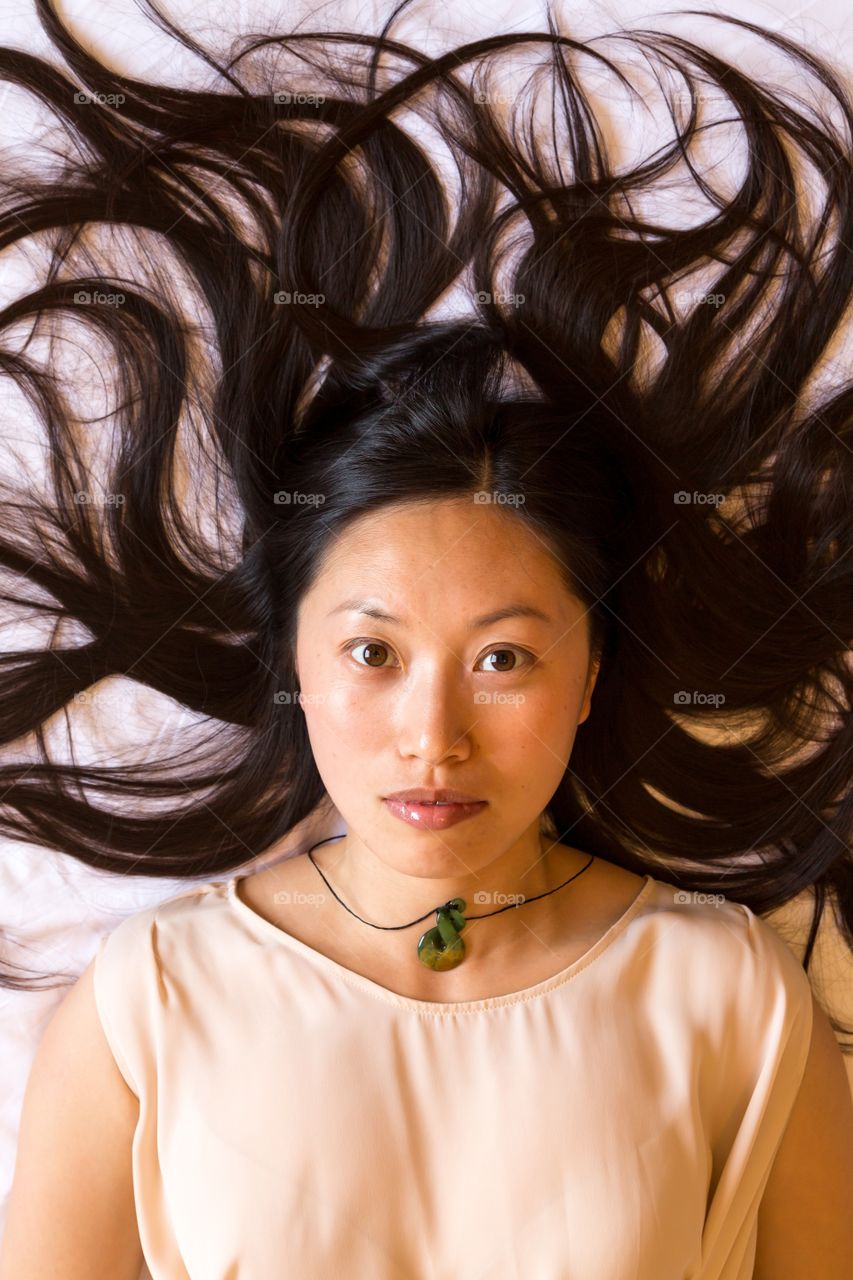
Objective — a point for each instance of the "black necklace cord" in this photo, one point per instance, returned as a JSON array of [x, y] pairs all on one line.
[[446, 905]]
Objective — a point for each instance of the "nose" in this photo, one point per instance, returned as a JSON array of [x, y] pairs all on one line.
[[436, 717]]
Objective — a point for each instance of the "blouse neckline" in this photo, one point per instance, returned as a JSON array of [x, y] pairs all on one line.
[[266, 929]]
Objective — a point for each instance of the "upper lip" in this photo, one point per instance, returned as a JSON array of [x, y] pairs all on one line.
[[423, 794]]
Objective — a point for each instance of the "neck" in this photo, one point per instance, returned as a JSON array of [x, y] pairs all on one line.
[[396, 888]]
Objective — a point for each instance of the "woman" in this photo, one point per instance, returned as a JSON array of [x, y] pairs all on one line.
[[513, 1030]]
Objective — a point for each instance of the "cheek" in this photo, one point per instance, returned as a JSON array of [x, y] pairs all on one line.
[[345, 714], [549, 723]]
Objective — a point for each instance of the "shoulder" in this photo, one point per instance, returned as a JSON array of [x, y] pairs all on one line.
[[174, 912], [147, 944], [714, 921], [725, 993], [725, 966], [140, 966]]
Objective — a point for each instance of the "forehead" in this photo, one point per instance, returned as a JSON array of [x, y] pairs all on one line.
[[457, 563], [460, 544]]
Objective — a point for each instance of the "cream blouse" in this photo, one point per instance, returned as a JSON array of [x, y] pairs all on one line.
[[617, 1121]]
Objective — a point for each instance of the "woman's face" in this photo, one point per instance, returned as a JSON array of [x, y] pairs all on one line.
[[433, 700]]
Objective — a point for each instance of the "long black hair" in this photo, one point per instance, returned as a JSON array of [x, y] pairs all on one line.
[[273, 371]]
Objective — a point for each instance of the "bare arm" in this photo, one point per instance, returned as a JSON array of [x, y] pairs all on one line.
[[805, 1219], [71, 1212]]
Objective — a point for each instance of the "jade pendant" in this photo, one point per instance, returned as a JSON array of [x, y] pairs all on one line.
[[441, 947]]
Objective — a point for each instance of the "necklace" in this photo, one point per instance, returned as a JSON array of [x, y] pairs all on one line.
[[441, 947]]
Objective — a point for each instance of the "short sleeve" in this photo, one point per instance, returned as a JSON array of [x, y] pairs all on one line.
[[760, 1072], [782, 996], [125, 982]]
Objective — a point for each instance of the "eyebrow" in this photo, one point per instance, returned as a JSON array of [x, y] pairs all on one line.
[[371, 609]]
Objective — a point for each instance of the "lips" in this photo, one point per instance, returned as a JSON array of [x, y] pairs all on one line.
[[434, 796], [430, 815]]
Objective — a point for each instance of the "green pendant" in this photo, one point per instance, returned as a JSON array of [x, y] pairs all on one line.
[[441, 947]]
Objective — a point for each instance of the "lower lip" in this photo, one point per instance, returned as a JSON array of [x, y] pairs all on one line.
[[434, 817]]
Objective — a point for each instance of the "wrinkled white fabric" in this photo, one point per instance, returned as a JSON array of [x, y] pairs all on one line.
[[617, 1120]]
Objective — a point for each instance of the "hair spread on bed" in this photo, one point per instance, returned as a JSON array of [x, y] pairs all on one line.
[[251, 268]]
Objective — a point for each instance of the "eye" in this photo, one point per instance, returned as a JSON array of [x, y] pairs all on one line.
[[370, 645], [376, 648], [529, 659]]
